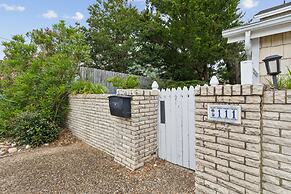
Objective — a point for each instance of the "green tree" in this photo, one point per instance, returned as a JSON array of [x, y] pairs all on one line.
[[193, 34], [123, 39], [181, 38]]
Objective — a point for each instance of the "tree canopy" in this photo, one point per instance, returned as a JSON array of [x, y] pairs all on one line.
[[177, 39]]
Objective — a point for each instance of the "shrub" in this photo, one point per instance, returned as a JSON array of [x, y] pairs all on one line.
[[129, 82], [36, 76], [33, 129], [85, 87]]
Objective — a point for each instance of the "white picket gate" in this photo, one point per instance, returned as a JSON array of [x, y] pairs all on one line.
[[176, 127]]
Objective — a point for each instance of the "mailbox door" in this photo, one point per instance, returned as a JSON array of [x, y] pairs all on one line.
[[120, 106]]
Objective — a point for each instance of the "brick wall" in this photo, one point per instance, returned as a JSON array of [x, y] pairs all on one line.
[[132, 141], [228, 155], [279, 44], [276, 142], [89, 119], [254, 157]]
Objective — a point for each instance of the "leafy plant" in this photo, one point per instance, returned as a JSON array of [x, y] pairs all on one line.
[[33, 129], [129, 82], [284, 82], [85, 87], [36, 76]]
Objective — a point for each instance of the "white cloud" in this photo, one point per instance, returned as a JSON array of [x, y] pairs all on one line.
[[7, 7], [248, 4], [50, 14], [78, 16]]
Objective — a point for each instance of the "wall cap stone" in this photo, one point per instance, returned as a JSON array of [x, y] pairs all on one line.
[[137, 92], [230, 90], [89, 96]]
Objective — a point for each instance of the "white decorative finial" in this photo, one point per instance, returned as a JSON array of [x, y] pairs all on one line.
[[155, 86], [214, 81]]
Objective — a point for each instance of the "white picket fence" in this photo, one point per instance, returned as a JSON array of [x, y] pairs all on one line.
[[177, 127]]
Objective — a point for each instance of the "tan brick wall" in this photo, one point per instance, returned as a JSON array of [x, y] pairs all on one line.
[[254, 157], [228, 155], [132, 141], [89, 119], [136, 138], [276, 139], [279, 44]]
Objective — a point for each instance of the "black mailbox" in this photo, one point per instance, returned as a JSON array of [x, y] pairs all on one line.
[[120, 106]]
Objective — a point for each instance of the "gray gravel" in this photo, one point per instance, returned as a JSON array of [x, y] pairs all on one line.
[[78, 168]]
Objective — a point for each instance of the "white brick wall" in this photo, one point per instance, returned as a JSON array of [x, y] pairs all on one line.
[[276, 142], [228, 156], [89, 119], [132, 141], [254, 157]]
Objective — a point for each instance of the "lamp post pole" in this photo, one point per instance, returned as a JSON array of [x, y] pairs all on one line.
[[275, 82]]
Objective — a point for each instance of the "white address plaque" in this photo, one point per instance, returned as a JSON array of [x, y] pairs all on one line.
[[224, 113]]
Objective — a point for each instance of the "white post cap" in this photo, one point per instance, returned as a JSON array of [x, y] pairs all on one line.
[[214, 81], [155, 85]]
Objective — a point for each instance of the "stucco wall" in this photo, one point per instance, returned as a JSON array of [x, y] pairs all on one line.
[[279, 44]]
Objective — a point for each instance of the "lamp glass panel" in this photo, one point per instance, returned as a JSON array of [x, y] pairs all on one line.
[[273, 66]]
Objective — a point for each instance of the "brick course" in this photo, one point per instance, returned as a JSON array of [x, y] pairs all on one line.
[[131, 142], [254, 157], [276, 143], [229, 154]]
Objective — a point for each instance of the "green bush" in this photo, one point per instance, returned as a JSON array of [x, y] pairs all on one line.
[[85, 87], [33, 129], [129, 82], [36, 76]]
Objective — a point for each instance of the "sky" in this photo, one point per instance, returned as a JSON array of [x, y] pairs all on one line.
[[21, 16]]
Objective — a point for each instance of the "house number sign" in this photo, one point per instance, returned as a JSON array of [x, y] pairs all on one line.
[[224, 113]]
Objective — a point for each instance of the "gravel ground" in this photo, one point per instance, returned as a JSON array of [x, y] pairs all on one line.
[[78, 168]]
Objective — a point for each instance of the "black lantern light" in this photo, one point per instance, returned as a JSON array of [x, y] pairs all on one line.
[[273, 64]]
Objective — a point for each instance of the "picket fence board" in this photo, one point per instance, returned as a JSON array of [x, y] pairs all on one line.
[[177, 134]]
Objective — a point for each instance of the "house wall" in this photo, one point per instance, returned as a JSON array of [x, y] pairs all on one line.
[[279, 44], [131, 142]]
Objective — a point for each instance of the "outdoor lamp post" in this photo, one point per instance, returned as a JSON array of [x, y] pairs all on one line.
[[273, 67]]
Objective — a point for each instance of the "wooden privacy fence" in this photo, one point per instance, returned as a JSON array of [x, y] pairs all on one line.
[[176, 126], [101, 76]]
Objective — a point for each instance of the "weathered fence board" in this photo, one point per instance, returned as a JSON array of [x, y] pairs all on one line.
[[101, 76]]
